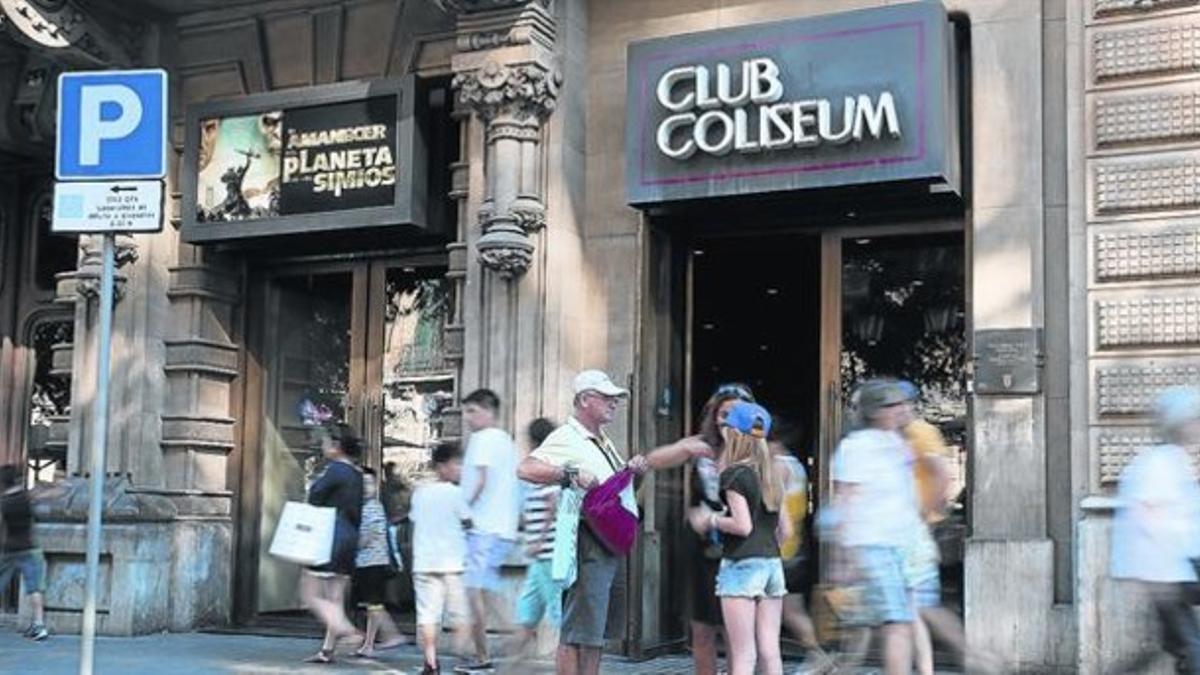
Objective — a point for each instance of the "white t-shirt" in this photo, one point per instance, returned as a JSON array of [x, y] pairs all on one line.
[[498, 509], [1157, 526], [879, 464], [439, 542]]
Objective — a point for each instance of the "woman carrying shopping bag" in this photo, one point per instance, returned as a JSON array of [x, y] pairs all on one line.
[[323, 588]]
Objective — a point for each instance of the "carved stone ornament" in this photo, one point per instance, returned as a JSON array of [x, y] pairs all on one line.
[[522, 91], [69, 31], [87, 278], [463, 6], [509, 259], [530, 217]]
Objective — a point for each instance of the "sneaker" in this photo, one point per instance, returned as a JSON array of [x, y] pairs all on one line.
[[431, 670], [38, 632]]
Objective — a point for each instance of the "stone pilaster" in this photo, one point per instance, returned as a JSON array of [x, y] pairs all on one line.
[[505, 74], [507, 81]]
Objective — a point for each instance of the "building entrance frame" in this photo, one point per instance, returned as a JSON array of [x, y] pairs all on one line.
[[368, 275], [666, 364]]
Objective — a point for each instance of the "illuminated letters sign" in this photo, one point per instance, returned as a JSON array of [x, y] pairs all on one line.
[[843, 99]]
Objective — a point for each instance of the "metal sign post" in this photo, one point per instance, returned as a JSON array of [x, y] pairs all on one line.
[[99, 456], [109, 169]]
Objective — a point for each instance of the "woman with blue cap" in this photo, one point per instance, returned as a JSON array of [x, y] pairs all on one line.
[[1156, 532], [750, 581]]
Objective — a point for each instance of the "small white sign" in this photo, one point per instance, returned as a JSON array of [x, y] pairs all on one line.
[[97, 207]]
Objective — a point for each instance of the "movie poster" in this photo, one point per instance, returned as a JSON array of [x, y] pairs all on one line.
[[339, 156], [297, 161], [239, 168]]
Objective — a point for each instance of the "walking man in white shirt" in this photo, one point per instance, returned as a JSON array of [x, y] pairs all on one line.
[[580, 454], [1156, 533], [489, 485]]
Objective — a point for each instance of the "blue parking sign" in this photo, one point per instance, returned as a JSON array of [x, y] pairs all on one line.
[[112, 125]]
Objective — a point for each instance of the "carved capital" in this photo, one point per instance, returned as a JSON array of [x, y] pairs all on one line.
[[525, 91]]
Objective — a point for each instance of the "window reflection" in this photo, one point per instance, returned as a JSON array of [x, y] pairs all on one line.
[[418, 387], [49, 398]]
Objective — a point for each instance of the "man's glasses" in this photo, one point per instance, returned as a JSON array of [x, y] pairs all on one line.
[[737, 390]]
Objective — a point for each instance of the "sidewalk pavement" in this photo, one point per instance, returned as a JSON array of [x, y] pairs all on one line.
[[203, 653]]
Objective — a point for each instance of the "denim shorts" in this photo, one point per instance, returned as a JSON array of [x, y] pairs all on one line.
[[486, 552], [31, 565], [886, 590], [751, 578]]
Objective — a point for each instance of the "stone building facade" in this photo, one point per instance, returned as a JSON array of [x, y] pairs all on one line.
[[1071, 214]]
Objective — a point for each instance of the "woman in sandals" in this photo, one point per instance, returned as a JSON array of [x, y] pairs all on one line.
[[750, 580], [323, 588]]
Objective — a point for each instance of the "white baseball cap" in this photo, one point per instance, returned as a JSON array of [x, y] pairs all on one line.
[[597, 381]]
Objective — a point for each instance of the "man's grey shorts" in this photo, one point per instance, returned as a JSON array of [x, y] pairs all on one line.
[[587, 601]]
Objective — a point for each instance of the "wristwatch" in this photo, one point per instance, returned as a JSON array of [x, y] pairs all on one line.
[[570, 473]]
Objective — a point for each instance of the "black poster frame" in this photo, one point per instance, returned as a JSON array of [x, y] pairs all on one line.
[[408, 205]]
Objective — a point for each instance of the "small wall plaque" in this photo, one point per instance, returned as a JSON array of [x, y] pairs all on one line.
[[1008, 361]]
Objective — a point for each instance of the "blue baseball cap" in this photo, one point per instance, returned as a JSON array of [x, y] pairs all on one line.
[[910, 390], [749, 418]]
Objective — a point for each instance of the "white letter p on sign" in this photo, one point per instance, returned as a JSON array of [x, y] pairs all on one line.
[[93, 129]]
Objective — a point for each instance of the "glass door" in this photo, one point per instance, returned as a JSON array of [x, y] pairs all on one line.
[[310, 358], [895, 306], [360, 343]]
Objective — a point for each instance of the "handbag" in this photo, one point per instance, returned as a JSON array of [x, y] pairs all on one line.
[[304, 534], [613, 524]]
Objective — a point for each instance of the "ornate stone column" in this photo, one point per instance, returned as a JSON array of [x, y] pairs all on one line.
[[505, 74]]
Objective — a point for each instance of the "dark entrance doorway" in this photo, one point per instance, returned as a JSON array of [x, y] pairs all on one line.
[[804, 317], [756, 320]]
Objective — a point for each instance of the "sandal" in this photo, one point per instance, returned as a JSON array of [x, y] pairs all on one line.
[[322, 656]]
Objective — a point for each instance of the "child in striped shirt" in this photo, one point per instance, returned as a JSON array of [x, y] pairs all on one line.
[[541, 596]]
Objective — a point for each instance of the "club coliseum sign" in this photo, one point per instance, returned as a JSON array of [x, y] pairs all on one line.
[[859, 98], [713, 116]]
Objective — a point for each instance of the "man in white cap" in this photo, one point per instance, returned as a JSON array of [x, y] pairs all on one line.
[[1156, 532], [580, 454]]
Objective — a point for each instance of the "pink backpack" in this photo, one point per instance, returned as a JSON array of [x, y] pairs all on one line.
[[608, 519]]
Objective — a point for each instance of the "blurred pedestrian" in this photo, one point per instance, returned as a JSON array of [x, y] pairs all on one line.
[[750, 580], [1156, 532], [19, 553], [580, 454], [323, 588], [541, 596], [705, 492], [877, 519], [923, 559], [793, 552], [489, 484], [441, 519], [374, 567]]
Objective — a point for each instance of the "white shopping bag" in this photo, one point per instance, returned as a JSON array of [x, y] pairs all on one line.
[[304, 534], [563, 566]]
